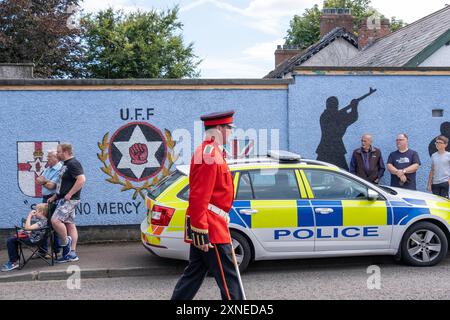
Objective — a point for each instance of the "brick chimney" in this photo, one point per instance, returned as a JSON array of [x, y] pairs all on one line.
[[285, 52], [372, 29], [335, 17]]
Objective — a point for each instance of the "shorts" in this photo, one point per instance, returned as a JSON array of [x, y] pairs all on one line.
[[65, 211]]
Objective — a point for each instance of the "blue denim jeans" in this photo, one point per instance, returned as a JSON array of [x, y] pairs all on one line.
[[44, 246], [13, 250]]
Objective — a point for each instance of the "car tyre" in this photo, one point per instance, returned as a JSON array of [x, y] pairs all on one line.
[[424, 245], [242, 250]]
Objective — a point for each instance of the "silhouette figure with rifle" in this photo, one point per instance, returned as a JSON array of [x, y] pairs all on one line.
[[334, 124]]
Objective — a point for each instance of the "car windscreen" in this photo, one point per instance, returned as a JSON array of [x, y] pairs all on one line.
[[159, 188]]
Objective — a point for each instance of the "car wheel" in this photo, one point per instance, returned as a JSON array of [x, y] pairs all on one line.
[[241, 250], [423, 245]]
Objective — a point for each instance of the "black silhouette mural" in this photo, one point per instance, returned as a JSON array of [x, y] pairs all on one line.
[[334, 124], [445, 131]]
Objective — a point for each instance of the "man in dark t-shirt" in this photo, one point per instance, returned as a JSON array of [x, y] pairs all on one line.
[[69, 172], [403, 164], [68, 191]]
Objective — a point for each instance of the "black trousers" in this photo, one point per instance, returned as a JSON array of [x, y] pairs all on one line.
[[440, 189], [219, 261]]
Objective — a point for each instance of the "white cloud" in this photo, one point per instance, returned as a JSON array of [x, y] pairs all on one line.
[[254, 62], [125, 5], [270, 20], [263, 51], [232, 68], [408, 10], [257, 8], [217, 3], [267, 16], [276, 8]]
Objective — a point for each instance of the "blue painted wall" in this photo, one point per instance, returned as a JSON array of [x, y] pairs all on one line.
[[84, 117], [401, 104]]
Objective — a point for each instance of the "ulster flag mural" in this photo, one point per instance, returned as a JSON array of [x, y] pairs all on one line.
[[31, 162], [238, 149]]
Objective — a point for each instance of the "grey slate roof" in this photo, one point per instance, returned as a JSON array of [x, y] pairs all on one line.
[[398, 48], [288, 65]]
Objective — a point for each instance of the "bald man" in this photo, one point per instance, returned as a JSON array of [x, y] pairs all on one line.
[[367, 161], [49, 177]]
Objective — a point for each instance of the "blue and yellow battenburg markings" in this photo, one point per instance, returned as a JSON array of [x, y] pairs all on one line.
[[360, 217], [273, 214], [300, 213], [440, 209], [352, 213], [405, 211]]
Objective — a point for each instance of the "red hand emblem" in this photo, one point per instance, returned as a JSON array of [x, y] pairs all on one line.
[[138, 153]]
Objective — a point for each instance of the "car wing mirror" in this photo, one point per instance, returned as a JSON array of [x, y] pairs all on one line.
[[372, 195]]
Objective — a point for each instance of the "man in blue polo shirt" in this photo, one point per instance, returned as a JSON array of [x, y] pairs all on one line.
[[48, 180]]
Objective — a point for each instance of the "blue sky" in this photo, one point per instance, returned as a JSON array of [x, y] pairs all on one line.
[[237, 38]]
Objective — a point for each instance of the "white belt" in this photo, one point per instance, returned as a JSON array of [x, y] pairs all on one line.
[[218, 211]]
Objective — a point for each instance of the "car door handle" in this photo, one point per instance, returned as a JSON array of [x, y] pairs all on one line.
[[324, 210], [248, 212]]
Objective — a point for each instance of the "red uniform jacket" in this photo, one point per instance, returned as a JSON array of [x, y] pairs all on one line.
[[210, 183]]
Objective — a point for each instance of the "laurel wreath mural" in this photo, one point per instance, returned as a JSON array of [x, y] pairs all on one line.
[[126, 184]]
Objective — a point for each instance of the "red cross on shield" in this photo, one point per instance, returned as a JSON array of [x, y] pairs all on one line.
[[31, 162]]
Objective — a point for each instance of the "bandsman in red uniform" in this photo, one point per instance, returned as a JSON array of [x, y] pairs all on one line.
[[210, 199]]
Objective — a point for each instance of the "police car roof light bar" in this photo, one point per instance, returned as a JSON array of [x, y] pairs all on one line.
[[253, 160], [284, 156]]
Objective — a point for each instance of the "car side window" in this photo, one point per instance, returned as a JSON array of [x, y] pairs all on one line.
[[245, 189], [328, 185], [268, 185]]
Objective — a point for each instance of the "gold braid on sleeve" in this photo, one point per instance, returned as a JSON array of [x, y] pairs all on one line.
[[199, 236]]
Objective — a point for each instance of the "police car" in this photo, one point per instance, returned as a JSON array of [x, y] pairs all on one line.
[[286, 207]]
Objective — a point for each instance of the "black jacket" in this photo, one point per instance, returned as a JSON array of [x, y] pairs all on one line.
[[376, 165]]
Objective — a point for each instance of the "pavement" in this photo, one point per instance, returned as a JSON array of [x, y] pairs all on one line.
[[104, 260]]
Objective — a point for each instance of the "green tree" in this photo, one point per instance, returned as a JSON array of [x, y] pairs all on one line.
[[137, 45], [38, 31], [396, 24], [305, 30]]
